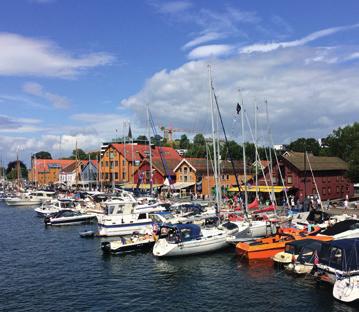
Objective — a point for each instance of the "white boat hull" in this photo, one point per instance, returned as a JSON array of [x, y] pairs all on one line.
[[347, 289], [118, 229], [22, 202], [163, 248]]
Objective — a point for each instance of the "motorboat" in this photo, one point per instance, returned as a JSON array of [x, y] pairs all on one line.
[[54, 206], [347, 289], [314, 217], [122, 218], [338, 259], [30, 199], [293, 249], [343, 230], [307, 258], [190, 239], [69, 217], [269, 246], [130, 244]]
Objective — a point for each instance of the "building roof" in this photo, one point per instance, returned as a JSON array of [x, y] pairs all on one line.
[[72, 167], [317, 163], [157, 164], [42, 165], [199, 165], [134, 152]]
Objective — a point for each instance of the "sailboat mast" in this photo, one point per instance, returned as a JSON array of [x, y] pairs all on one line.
[[149, 145], [213, 138], [244, 161], [270, 154], [256, 146]]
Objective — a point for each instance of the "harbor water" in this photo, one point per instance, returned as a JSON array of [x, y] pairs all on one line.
[[53, 269]]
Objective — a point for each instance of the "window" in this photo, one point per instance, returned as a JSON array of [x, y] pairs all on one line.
[[106, 163], [112, 155], [289, 180], [185, 169], [116, 175], [142, 216], [124, 162], [227, 176], [116, 163], [111, 164], [314, 191], [337, 189], [337, 178], [275, 180], [329, 190], [123, 175], [324, 191], [222, 176], [106, 175], [185, 178]]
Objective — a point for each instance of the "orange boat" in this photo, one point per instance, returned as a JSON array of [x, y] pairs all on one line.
[[268, 247]]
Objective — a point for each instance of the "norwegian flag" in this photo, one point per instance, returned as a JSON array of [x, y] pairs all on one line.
[[316, 258]]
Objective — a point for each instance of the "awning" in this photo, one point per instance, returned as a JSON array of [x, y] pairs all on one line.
[[182, 185], [261, 189], [142, 186]]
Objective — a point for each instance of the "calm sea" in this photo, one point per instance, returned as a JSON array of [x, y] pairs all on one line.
[[53, 269]]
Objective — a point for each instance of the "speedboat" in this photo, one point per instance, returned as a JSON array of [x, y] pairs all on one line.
[[343, 230], [30, 199], [69, 217], [267, 247], [338, 259], [54, 206], [124, 245], [190, 239]]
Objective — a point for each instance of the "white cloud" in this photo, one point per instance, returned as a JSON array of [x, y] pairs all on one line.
[[24, 56], [19, 125], [203, 39], [267, 47], [303, 100], [56, 100], [210, 51]]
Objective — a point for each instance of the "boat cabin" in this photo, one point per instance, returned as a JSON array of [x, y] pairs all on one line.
[[180, 232], [341, 255]]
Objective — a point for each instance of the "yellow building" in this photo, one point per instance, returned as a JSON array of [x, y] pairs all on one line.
[[193, 171]]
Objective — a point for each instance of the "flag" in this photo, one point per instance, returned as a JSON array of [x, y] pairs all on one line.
[[238, 108], [316, 258]]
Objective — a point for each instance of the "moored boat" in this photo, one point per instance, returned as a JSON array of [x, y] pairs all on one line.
[[190, 239], [69, 217], [129, 244]]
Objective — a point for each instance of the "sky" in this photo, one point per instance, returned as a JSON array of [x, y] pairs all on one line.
[[82, 71]]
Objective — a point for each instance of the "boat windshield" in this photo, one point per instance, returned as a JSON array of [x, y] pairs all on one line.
[[290, 249]]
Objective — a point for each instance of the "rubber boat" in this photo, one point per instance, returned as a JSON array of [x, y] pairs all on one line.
[[190, 239], [267, 247], [130, 244]]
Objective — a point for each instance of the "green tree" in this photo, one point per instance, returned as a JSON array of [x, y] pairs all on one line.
[[303, 144], [11, 170], [142, 139], [234, 148], [344, 143], [184, 142], [41, 155], [79, 154]]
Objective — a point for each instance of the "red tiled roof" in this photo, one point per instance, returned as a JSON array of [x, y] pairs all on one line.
[[139, 152], [41, 165]]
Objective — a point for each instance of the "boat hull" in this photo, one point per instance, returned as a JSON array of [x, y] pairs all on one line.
[[106, 229], [111, 248], [70, 220], [347, 289]]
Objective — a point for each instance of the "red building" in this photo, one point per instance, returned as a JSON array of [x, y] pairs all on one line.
[[299, 173], [159, 171]]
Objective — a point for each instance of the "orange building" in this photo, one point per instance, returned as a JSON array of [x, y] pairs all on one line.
[[47, 171], [192, 172], [120, 162]]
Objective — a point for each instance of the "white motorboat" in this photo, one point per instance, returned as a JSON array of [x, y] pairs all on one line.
[[69, 217], [30, 199], [122, 218], [190, 239], [54, 206], [343, 230], [347, 289]]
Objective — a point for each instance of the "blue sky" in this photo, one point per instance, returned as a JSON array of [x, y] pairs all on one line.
[[81, 69]]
